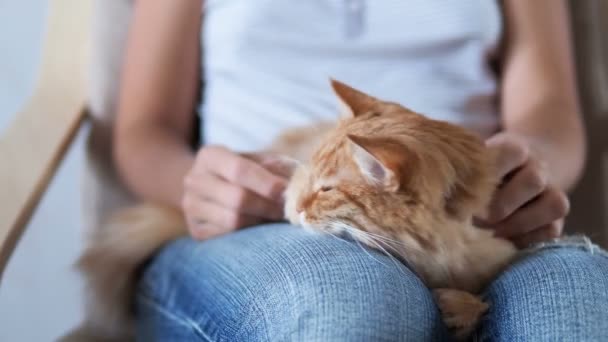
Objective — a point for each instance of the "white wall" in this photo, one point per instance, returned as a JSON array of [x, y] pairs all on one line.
[[21, 25], [39, 293]]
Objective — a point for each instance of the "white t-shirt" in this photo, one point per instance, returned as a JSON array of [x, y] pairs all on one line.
[[266, 63]]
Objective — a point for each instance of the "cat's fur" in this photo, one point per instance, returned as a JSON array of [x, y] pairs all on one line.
[[402, 183], [390, 178]]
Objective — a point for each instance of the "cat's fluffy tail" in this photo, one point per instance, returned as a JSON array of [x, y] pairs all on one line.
[[110, 264]]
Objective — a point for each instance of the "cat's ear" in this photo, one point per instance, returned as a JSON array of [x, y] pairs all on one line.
[[352, 101], [381, 161]]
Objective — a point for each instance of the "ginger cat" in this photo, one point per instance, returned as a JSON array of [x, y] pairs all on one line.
[[388, 177], [407, 185]]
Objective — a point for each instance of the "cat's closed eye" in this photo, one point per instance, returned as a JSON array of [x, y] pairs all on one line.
[[326, 188]]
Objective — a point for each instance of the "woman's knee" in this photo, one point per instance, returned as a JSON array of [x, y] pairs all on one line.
[[560, 289], [348, 294], [282, 283]]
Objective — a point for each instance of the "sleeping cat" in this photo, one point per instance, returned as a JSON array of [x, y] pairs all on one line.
[[388, 177], [405, 184]]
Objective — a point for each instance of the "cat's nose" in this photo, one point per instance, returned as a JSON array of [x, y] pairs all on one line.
[[299, 208]]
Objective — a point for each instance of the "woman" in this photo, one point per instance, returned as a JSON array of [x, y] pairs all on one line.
[[265, 67]]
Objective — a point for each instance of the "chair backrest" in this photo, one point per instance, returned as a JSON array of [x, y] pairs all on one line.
[[104, 193]]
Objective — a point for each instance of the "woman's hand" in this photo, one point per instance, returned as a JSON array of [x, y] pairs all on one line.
[[525, 208], [542, 147], [225, 191]]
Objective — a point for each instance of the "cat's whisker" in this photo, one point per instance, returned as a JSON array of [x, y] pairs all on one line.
[[367, 252], [336, 237], [376, 242], [379, 237], [358, 243], [396, 262], [340, 225], [387, 239]]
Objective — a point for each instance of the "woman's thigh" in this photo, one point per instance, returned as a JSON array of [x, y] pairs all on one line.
[[276, 283], [558, 292]]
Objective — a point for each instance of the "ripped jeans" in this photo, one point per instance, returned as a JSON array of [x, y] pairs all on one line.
[[280, 283]]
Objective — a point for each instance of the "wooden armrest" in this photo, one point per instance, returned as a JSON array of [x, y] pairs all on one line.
[[34, 143]]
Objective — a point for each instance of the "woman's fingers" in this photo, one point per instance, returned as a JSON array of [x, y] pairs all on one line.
[[212, 213], [280, 165], [510, 153], [547, 232], [524, 208], [212, 188], [244, 172], [201, 230], [550, 206], [527, 183], [225, 191]]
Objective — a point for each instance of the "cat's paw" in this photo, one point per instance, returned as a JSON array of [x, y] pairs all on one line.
[[461, 311]]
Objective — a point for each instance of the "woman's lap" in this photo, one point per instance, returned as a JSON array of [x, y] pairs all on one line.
[[277, 282]]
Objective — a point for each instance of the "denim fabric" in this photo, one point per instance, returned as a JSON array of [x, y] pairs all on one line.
[[556, 292], [281, 283]]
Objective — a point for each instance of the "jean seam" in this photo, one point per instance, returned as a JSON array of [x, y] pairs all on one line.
[[176, 318]]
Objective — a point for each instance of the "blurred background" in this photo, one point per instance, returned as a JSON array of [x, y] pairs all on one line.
[[40, 295]]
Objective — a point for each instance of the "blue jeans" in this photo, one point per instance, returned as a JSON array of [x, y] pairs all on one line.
[[281, 283]]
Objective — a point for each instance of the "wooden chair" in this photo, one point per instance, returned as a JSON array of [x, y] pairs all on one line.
[[33, 146]]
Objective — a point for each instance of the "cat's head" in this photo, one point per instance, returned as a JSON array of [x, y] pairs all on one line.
[[385, 168]]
